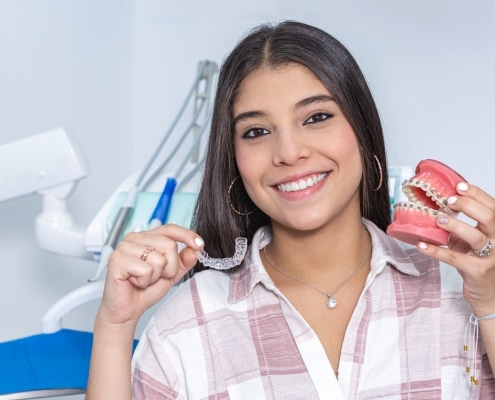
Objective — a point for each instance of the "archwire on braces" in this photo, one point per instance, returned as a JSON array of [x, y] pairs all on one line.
[[418, 207], [225, 263]]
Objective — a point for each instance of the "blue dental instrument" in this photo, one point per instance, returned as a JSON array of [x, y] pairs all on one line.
[[160, 213]]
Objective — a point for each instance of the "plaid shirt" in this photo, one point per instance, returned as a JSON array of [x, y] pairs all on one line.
[[233, 335]]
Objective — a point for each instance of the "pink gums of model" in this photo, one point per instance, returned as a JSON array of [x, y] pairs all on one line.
[[427, 192]]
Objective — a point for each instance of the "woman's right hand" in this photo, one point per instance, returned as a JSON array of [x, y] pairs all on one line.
[[138, 278]]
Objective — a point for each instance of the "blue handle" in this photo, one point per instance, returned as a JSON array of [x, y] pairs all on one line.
[[161, 210]]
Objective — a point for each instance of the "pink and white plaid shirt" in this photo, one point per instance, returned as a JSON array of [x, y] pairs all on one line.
[[233, 335]]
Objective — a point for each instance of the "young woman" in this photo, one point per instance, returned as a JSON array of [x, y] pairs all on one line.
[[325, 304]]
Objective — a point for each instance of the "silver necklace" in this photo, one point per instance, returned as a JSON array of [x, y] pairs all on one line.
[[331, 302]]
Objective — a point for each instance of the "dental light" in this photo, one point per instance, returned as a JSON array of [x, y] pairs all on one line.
[[50, 164]]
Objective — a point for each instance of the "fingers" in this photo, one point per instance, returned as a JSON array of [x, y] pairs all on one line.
[[141, 265], [179, 234], [189, 257], [165, 238], [124, 265], [465, 240], [442, 254], [469, 249], [144, 257], [477, 205], [464, 237], [474, 192]]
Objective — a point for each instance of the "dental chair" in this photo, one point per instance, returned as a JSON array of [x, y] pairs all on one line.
[[55, 362]]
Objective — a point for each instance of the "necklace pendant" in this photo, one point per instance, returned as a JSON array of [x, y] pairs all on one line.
[[331, 302]]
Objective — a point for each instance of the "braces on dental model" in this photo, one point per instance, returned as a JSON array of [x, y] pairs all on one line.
[[418, 207], [427, 194], [429, 191], [225, 263]]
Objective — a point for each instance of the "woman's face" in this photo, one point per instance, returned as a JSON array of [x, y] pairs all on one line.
[[297, 154]]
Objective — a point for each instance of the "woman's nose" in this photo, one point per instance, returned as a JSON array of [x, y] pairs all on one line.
[[290, 147]]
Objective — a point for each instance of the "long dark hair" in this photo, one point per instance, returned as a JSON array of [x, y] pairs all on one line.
[[272, 46]]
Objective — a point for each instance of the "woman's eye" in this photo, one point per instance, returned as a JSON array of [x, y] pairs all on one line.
[[255, 132], [318, 117]]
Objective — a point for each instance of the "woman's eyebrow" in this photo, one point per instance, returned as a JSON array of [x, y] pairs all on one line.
[[247, 115], [319, 98]]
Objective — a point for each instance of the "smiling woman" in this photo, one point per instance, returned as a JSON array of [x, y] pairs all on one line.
[[289, 135], [325, 304]]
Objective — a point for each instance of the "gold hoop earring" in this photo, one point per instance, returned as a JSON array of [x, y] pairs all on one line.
[[380, 172], [230, 200]]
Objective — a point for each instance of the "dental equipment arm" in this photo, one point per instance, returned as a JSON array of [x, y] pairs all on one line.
[[116, 230], [51, 164], [206, 71], [159, 215]]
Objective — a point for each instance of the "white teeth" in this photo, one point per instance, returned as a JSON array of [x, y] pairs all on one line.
[[301, 184]]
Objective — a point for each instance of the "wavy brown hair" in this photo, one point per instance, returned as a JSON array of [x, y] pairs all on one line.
[[272, 46]]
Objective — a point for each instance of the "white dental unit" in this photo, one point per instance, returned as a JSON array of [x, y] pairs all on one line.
[[51, 164]]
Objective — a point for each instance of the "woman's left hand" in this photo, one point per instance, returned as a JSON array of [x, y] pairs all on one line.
[[478, 272]]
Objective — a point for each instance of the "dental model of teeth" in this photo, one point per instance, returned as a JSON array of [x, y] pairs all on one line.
[[427, 193], [301, 184], [225, 263], [428, 189]]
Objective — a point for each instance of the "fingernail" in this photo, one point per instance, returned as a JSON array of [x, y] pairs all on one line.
[[442, 219], [452, 200], [198, 241], [462, 186], [423, 245]]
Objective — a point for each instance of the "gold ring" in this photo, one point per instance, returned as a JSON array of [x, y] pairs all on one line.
[[146, 252]]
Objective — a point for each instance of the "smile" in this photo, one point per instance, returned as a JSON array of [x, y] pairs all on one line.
[[301, 184]]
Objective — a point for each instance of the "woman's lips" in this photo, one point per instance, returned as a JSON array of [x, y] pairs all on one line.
[[301, 184]]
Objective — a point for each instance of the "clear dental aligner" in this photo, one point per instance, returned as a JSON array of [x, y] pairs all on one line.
[[225, 263]]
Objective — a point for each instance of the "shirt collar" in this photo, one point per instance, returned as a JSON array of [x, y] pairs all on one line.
[[252, 271], [386, 251]]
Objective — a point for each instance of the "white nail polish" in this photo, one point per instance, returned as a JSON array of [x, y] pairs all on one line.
[[462, 186], [423, 245], [198, 241], [452, 200]]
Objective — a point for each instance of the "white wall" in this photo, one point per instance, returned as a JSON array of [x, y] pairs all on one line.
[[429, 65], [62, 63], [117, 71]]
